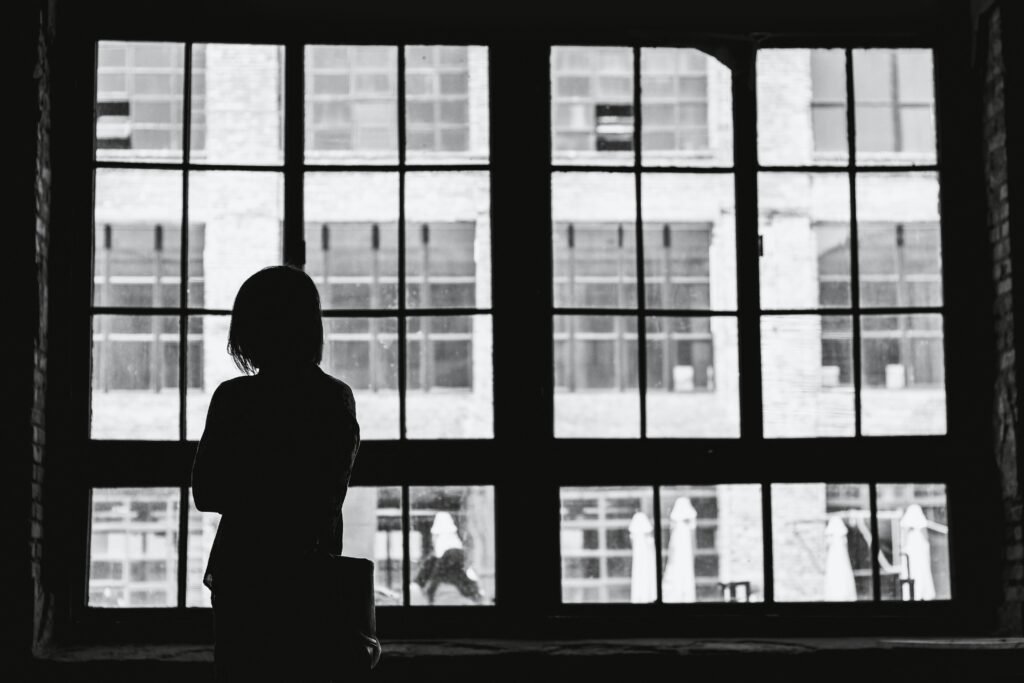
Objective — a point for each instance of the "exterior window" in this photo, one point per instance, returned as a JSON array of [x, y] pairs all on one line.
[[894, 95], [139, 98], [592, 100], [900, 266], [352, 91]]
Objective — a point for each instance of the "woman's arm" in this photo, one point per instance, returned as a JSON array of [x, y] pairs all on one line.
[[212, 464], [341, 460]]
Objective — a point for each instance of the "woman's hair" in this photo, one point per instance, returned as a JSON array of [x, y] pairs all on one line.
[[275, 320]]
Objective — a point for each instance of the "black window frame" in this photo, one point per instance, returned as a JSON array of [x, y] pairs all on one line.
[[527, 498]]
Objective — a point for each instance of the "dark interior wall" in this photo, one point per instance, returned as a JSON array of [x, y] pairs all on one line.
[[999, 29]]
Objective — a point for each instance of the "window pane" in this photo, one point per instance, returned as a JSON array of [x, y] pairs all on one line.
[[133, 547], [896, 100], [801, 107], [689, 241], [137, 238], [135, 377], [806, 374], [450, 377], [448, 240], [596, 388], [803, 219], [363, 352], [821, 542], [594, 260], [899, 239], [687, 108], [447, 104], [711, 543], [876, 130], [692, 377], [239, 117], [139, 96], [209, 365], [596, 364], [373, 529], [360, 82], [594, 85], [242, 213], [202, 529], [352, 238], [913, 530], [451, 545], [903, 384], [607, 544]]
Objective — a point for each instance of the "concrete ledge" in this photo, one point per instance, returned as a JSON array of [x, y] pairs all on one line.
[[820, 659]]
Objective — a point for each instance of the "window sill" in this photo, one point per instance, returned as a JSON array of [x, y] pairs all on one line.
[[943, 658]]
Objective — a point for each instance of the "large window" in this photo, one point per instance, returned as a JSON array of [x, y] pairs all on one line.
[[667, 326]]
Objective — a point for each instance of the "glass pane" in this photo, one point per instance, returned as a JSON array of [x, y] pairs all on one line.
[[351, 104], [133, 547], [596, 387], [352, 238], [607, 544], [903, 379], [896, 106], [363, 352], [592, 105], [689, 241], [139, 96], [447, 100], [801, 107], [448, 240], [237, 96], [594, 238], [687, 108], [137, 238], [804, 224], [202, 529], [135, 377], [913, 538], [692, 377], [449, 377], [711, 543], [208, 365], [241, 213], [373, 529], [451, 545], [821, 542], [807, 375], [899, 241]]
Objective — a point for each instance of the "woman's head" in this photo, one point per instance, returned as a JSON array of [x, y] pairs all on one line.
[[276, 320]]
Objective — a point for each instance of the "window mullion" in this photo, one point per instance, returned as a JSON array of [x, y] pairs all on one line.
[[294, 154], [526, 499]]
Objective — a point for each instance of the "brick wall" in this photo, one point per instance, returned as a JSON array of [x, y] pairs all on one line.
[[40, 602], [24, 624], [1006, 414]]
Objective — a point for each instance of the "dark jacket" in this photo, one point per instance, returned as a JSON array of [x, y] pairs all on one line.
[[275, 460]]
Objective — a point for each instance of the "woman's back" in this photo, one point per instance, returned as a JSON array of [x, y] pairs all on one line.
[[275, 460]]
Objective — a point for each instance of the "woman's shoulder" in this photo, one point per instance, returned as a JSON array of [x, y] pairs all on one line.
[[338, 390]]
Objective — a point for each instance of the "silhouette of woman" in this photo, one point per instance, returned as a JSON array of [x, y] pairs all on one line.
[[275, 461]]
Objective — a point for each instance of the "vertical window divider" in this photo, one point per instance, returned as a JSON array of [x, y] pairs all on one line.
[[294, 154], [402, 331], [406, 562], [876, 577], [658, 564], [641, 287], [748, 302], [851, 132], [186, 144]]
